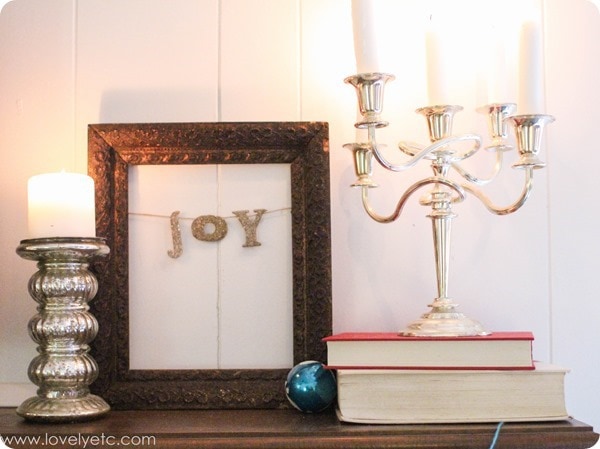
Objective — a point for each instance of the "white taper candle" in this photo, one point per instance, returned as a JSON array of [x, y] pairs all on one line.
[[531, 76], [365, 36]]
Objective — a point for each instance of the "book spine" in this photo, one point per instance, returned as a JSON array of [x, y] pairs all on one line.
[[433, 368]]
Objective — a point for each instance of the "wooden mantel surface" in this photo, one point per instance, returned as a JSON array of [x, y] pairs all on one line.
[[284, 429]]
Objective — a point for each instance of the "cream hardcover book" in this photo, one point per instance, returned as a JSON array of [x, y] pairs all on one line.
[[401, 396]]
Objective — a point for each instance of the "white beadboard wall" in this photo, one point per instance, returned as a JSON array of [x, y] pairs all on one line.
[[67, 63]]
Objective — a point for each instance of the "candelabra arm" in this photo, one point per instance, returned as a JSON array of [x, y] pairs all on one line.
[[479, 181], [465, 137], [399, 167], [410, 148], [412, 189], [514, 206], [418, 153]]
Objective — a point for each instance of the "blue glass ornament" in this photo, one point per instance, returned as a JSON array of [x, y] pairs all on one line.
[[310, 387]]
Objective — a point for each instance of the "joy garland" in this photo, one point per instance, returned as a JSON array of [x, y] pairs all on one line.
[[201, 229]]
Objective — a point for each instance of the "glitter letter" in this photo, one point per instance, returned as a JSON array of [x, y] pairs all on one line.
[[250, 225], [218, 233], [176, 235]]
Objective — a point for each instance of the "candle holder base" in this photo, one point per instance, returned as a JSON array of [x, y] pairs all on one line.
[[53, 410], [444, 321]]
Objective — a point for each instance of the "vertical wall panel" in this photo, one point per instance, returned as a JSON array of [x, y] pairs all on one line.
[[36, 136], [259, 81], [259, 60], [256, 285], [157, 61], [173, 301], [573, 58], [145, 61]]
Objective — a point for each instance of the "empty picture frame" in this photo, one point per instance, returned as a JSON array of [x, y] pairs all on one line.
[[112, 150]]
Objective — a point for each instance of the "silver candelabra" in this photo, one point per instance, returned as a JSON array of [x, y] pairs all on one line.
[[443, 319]]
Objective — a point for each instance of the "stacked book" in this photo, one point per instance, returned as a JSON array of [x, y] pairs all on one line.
[[388, 378]]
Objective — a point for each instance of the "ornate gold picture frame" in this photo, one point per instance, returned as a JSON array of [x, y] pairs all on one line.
[[112, 149]]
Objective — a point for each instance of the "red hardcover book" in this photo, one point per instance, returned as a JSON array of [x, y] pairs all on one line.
[[497, 351]]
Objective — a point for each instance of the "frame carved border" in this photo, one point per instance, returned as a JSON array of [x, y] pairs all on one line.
[[112, 148]]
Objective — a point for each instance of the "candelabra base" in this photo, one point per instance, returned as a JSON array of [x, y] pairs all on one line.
[[444, 321], [64, 410]]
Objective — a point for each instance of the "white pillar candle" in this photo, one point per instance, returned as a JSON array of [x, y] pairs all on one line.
[[437, 66], [365, 36], [497, 75], [61, 205], [531, 86]]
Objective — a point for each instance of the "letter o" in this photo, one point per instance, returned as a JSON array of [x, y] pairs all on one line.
[[199, 225]]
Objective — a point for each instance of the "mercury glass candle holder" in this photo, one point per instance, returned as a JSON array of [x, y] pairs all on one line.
[[63, 328]]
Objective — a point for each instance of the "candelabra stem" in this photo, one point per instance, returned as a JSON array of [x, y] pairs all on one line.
[[442, 226], [62, 328], [443, 319]]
